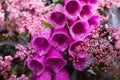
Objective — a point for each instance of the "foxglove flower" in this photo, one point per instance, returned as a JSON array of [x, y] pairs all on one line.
[[79, 60], [78, 54], [55, 60], [72, 8], [79, 30], [46, 75], [62, 75], [60, 39], [84, 1], [36, 64], [93, 21], [57, 17], [93, 1], [86, 10], [40, 43]]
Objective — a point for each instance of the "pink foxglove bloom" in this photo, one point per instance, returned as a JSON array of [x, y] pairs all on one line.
[[46, 75], [79, 30], [72, 8], [80, 60], [86, 10], [57, 17], [60, 39], [78, 55], [41, 43], [55, 60], [36, 64], [93, 21], [93, 1], [62, 75]]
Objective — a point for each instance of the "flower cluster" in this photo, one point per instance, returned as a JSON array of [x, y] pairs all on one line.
[[27, 15], [72, 21], [5, 65]]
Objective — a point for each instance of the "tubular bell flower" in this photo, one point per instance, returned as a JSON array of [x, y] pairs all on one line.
[[85, 1], [93, 21], [55, 60], [79, 60], [72, 8], [57, 17], [79, 30], [46, 75], [93, 1], [62, 75], [78, 54], [86, 10], [60, 39], [36, 64], [40, 43]]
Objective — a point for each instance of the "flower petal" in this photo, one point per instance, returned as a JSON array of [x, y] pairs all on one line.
[[36, 64], [55, 60], [46, 75], [86, 10], [81, 60], [41, 45], [72, 9], [79, 30], [62, 75], [60, 39], [57, 17], [94, 21]]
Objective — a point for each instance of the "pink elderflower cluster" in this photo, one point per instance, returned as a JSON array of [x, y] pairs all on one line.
[[1, 14], [5, 65], [104, 48], [108, 3], [28, 15], [71, 22], [115, 33], [23, 52], [14, 77]]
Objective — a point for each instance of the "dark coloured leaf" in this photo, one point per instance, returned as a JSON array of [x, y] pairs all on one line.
[[114, 20]]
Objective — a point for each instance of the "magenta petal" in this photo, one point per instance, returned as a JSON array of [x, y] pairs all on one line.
[[93, 1], [57, 17], [79, 30], [62, 75], [75, 47], [94, 21], [36, 64], [86, 10], [81, 60], [85, 1], [40, 44], [46, 75], [72, 9], [60, 39], [55, 60]]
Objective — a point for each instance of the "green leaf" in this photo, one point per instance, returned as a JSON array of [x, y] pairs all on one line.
[[46, 24], [24, 34], [14, 70], [58, 1]]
